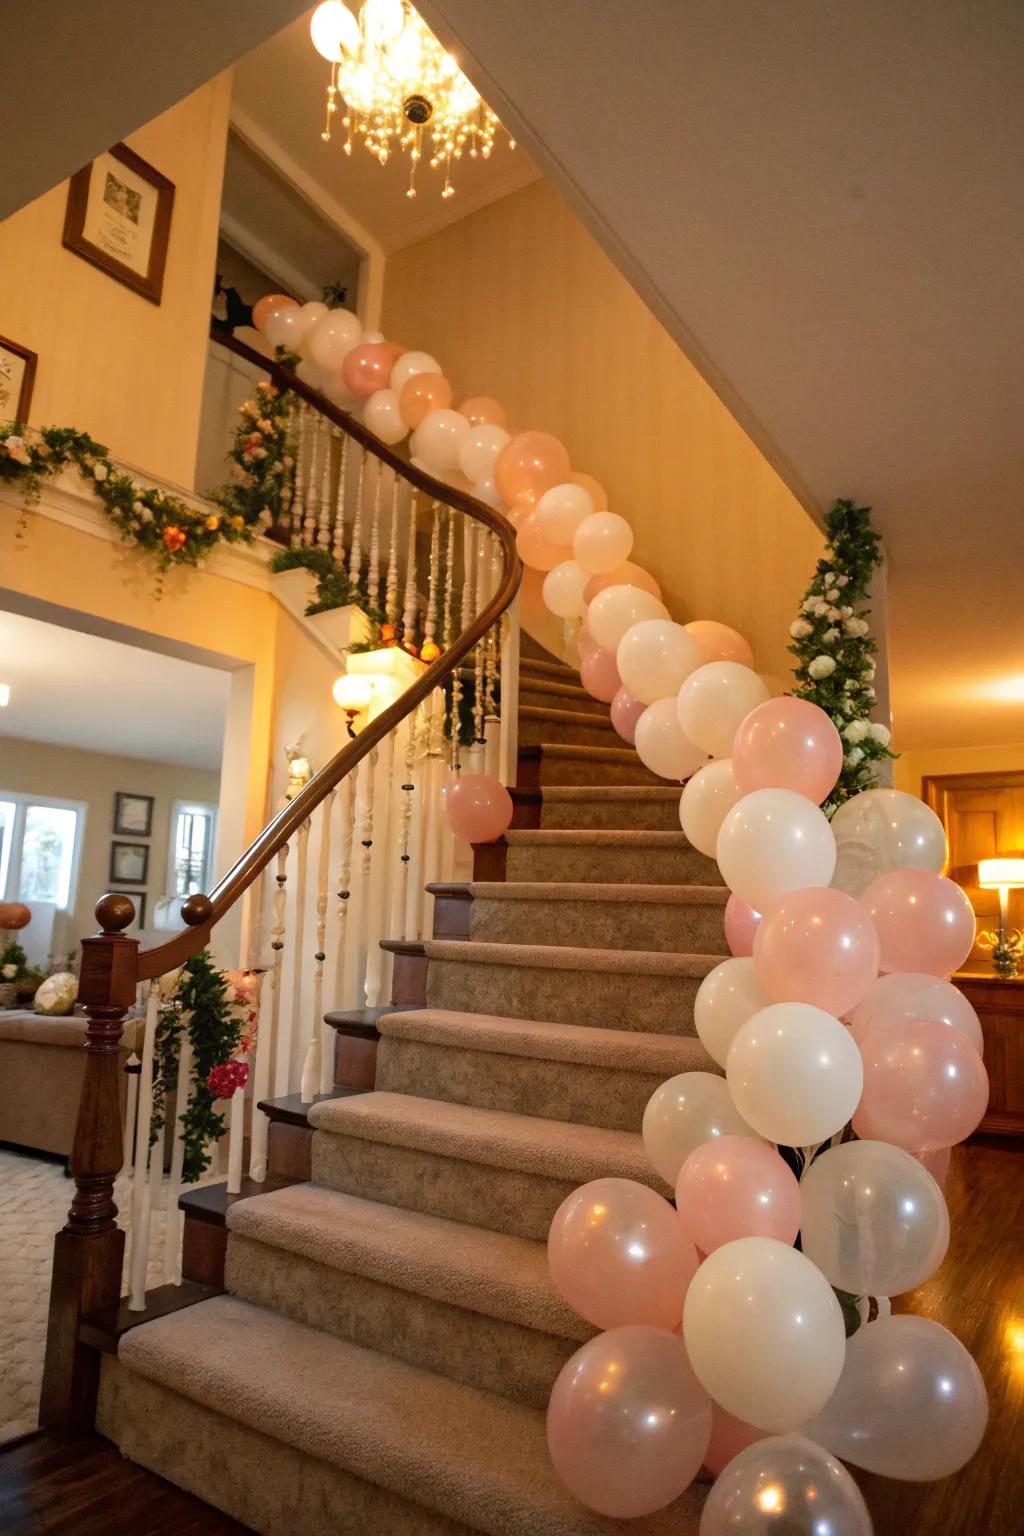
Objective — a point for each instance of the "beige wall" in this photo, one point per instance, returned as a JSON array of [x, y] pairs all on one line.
[[518, 301], [911, 767], [110, 362]]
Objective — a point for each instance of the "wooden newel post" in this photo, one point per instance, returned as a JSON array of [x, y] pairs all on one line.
[[88, 1253]]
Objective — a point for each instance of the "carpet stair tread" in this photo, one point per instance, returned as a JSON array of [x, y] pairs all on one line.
[[636, 962], [592, 890]]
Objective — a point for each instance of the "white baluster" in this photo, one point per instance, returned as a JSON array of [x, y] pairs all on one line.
[[236, 1140], [363, 931], [299, 491], [338, 535], [131, 1110], [492, 724], [411, 594], [381, 874], [373, 557], [298, 953], [140, 1187], [355, 555], [509, 732], [277, 1044], [391, 586], [310, 1085], [480, 566], [260, 1061], [344, 895], [311, 509], [399, 924], [173, 1217]]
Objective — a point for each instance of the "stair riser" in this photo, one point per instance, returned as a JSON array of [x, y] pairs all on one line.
[[573, 733], [678, 929], [609, 864], [611, 815], [487, 1352], [501, 1199], [524, 1085], [552, 696], [661, 1005]]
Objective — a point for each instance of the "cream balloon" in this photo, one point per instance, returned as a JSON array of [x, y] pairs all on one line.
[[312, 374], [438, 439], [616, 609], [795, 1074], [410, 363], [561, 510], [661, 745], [283, 327], [880, 830], [705, 802], [383, 418], [487, 492], [480, 447], [713, 701], [332, 338], [309, 314], [726, 998], [601, 542], [683, 1113], [774, 841], [654, 657], [563, 590]]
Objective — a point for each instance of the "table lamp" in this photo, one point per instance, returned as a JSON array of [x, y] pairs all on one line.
[[1003, 875]]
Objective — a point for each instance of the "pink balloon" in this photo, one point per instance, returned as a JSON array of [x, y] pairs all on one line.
[[937, 1164], [479, 807], [720, 643], [534, 549], [900, 995], [735, 1186], [600, 676], [628, 1422], [482, 410], [729, 1436], [586, 646], [741, 925], [816, 946], [529, 465], [625, 713], [787, 744], [925, 1086], [618, 1255], [367, 368], [625, 575], [924, 921]]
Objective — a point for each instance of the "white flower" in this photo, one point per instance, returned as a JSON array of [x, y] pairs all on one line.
[[869, 672], [800, 629], [17, 450], [858, 628], [855, 731], [821, 666], [820, 610], [100, 472], [832, 594], [145, 515], [10, 971], [849, 707], [830, 636], [834, 613], [869, 692], [846, 612], [842, 581], [880, 733], [855, 756]]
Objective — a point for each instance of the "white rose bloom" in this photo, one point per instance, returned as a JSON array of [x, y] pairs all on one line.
[[820, 610], [832, 594], [880, 733], [145, 516], [830, 636], [10, 971], [858, 628], [842, 581], [855, 731], [846, 611], [100, 472], [869, 692], [821, 666], [800, 629], [855, 756]]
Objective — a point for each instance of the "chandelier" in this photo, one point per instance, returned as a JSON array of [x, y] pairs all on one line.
[[399, 88]]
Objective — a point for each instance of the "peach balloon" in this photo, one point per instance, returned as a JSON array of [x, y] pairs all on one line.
[[925, 1086], [598, 494], [736, 1186], [518, 512], [423, 393], [924, 921], [720, 643], [478, 806], [600, 676], [937, 1164], [625, 575], [367, 368], [530, 465], [787, 744], [816, 946], [14, 915], [729, 1436], [534, 549], [602, 542], [625, 713], [270, 301], [741, 925], [482, 411]]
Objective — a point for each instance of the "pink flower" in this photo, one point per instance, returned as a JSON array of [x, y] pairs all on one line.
[[225, 1079]]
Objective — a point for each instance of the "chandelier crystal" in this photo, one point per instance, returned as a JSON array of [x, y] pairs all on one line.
[[399, 89]]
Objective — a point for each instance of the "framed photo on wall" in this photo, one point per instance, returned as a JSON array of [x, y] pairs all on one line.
[[129, 863], [119, 218], [133, 815], [17, 376]]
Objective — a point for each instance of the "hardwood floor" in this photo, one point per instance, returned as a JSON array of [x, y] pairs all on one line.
[[86, 1488]]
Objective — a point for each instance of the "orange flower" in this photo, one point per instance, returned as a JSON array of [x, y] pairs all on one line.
[[430, 651], [174, 538]]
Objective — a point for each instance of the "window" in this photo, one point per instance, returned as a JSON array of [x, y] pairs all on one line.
[[192, 836], [39, 845]]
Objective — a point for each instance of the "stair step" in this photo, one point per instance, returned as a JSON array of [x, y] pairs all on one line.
[[559, 762], [405, 1437], [638, 807], [551, 693], [675, 918], [491, 1168], [601, 1077], [535, 666], [606, 856], [540, 724]]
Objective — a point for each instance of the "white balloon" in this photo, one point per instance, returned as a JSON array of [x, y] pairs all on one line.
[[438, 439], [774, 841], [880, 830], [560, 511], [601, 542], [382, 416], [653, 658], [338, 392], [332, 338], [713, 701], [309, 314], [795, 1073], [705, 802], [486, 491], [410, 363], [764, 1332], [563, 589], [685, 1112], [661, 745], [480, 447], [616, 609], [726, 998], [284, 327], [313, 375]]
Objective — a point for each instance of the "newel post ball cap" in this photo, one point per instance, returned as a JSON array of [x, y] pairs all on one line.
[[114, 912], [14, 915], [198, 909]]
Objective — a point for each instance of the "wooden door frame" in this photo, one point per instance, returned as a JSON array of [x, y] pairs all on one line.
[[936, 786]]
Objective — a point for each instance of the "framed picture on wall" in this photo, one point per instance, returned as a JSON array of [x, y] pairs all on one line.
[[129, 863], [138, 901], [133, 814], [119, 218], [17, 376]]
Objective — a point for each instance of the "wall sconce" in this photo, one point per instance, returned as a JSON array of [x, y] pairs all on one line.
[[352, 693], [1003, 875]]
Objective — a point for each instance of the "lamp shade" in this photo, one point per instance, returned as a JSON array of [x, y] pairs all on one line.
[[996, 873], [352, 691]]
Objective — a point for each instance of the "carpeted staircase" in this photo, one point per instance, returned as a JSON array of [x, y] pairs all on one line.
[[383, 1356]]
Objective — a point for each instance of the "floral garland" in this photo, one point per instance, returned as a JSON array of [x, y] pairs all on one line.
[[262, 460], [835, 650]]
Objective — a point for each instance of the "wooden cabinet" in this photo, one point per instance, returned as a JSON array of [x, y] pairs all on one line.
[[1000, 1007]]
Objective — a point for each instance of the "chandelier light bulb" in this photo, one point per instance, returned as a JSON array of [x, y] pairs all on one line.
[[334, 31]]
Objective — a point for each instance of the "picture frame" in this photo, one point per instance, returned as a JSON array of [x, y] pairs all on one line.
[[17, 378], [129, 863], [138, 901], [133, 814], [118, 217]]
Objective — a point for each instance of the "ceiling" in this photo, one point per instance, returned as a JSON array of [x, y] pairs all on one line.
[[824, 205], [79, 690]]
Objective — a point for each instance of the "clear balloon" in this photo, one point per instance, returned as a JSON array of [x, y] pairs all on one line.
[[618, 1255], [438, 439], [561, 510], [795, 1074], [736, 1187], [729, 1436], [741, 925], [764, 1332], [925, 1086], [704, 803], [480, 448], [529, 465], [774, 841], [720, 643], [875, 1221], [625, 712], [788, 743], [661, 745], [726, 998], [924, 921], [601, 542], [714, 700], [785, 1486], [382, 417], [625, 575], [684, 1112], [408, 364], [616, 609], [563, 589], [816, 946], [910, 1404], [368, 368], [534, 549], [900, 995], [332, 338], [479, 807], [655, 657], [483, 411], [884, 829], [421, 394], [600, 676], [628, 1422]]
